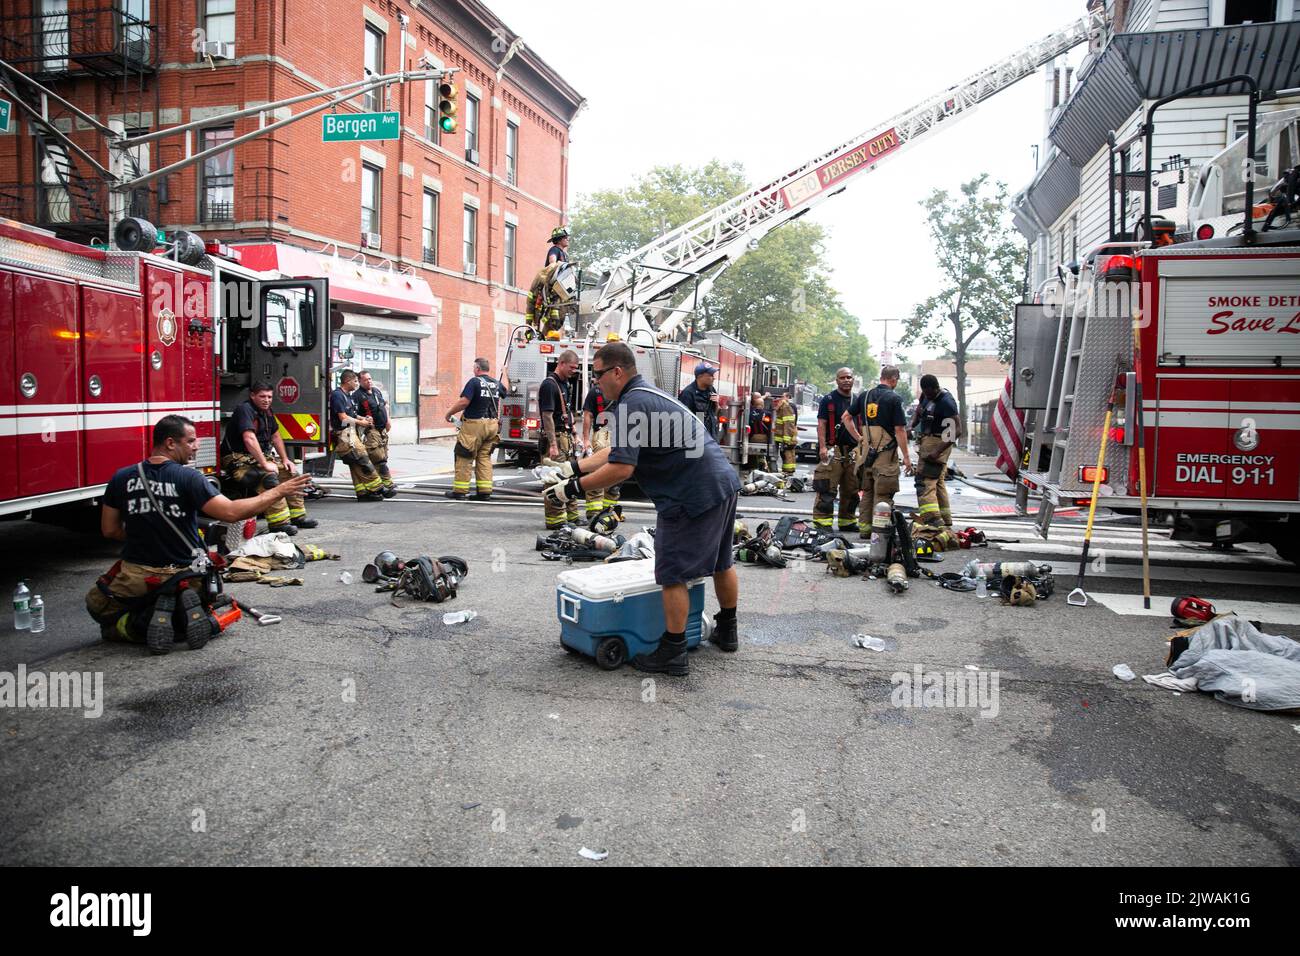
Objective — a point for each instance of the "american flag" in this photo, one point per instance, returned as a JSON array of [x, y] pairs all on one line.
[[1008, 432]]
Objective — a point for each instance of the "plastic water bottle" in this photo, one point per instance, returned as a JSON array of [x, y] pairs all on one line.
[[22, 614], [981, 586], [345, 577], [458, 617], [37, 608]]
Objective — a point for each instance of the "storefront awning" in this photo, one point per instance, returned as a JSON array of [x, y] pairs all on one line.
[[383, 325], [1148, 66], [351, 283]]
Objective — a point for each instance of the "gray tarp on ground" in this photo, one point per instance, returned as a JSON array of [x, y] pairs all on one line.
[[1229, 657]]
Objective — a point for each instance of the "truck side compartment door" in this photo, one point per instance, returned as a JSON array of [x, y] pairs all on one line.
[[1264, 431], [117, 431], [8, 392], [290, 351], [1191, 427], [48, 366]]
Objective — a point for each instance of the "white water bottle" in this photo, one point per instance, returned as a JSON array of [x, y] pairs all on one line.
[[458, 617], [22, 614], [37, 609], [981, 586]]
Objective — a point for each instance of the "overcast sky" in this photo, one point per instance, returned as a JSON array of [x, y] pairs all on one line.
[[773, 84]]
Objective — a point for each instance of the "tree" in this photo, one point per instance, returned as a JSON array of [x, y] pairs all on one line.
[[982, 263], [779, 297]]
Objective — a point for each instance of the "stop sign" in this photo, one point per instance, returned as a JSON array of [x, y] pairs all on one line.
[[287, 390]]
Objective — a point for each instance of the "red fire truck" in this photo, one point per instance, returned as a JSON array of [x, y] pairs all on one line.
[[96, 346]]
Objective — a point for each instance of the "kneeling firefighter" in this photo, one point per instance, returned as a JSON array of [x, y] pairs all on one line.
[[938, 430], [479, 432], [347, 443], [163, 588], [883, 438], [372, 404]]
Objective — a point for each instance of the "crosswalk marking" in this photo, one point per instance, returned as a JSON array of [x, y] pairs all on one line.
[[1130, 605]]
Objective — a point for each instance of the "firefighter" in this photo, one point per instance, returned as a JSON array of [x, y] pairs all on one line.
[[938, 428], [785, 432], [559, 251], [882, 438], [159, 546], [702, 398], [694, 491], [347, 443], [253, 457], [835, 472], [557, 427], [760, 431], [479, 432], [371, 403], [595, 438]]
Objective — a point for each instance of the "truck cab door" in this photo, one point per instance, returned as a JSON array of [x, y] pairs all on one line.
[[290, 350]]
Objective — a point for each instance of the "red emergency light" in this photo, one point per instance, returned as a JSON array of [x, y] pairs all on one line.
[[546, 349], [532, 423], [214, 248], [1204, 231], [1088, 474], [1117, 436], [516, 433]]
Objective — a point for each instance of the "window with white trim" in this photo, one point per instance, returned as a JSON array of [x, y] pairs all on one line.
[[430, 232], [509, 274], [470, 240], [374, 65]]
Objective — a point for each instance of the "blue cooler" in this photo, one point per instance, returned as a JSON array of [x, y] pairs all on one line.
[[613, 612]]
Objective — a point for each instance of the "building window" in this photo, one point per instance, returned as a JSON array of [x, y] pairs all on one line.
[[219, 21], [510, 255], [431, 128], [430, 234], [512, 154], [53, 26], [1239, 129], [471, 128], [470, 236], [1237, 12], [217, 177], [369, 198], [1074, 238], [374, 65]]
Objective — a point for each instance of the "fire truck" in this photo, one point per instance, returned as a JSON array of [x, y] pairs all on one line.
[[1202, 338], [97, 345]]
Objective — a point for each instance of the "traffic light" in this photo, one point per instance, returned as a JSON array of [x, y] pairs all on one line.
[[447, 106]]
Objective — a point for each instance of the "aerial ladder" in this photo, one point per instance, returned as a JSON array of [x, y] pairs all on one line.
[[643, 294]]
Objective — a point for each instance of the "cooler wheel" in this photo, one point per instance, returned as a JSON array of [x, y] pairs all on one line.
[[611, 653]]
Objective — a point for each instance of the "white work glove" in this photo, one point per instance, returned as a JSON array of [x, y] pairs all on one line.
[[563, 468], [563, 492]]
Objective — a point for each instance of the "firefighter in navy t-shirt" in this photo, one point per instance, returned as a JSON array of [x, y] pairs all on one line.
[[937, 432], [883, 437], [559, 251], [479, 432], [347, 443], [835, 473], [252, 444], [372, 404], [157, 546]]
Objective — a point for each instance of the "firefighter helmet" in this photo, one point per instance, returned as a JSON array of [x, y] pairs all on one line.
[[558, 233]]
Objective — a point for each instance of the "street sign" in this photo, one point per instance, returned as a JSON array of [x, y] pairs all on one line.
[[5, 107], [287, 390], [353, 127]]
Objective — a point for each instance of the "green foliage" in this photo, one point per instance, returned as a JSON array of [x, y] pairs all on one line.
[[982, 261], [778, 297]]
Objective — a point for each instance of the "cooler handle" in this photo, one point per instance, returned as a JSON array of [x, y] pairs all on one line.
[[565, 614]]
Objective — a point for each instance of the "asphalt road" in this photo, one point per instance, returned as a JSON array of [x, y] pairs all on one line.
[[356, 732]]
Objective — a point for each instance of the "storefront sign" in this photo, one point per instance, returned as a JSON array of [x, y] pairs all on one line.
[[402, 382]]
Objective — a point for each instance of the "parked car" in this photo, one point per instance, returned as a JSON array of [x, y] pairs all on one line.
[[806, 446]]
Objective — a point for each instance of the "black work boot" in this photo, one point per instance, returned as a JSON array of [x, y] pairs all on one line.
[[668, 658], [455, 495], [287, 528], [198, 623], [389, 491], [160, 634], [724, 634], [483, 496], [304, 522]]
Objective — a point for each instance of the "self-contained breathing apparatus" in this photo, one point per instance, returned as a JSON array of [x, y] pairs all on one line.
[[422, 578]]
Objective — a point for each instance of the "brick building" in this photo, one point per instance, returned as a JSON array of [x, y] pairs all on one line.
[[429, 240]]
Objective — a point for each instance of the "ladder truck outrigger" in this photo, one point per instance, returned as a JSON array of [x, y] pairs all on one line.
[[646, 298]]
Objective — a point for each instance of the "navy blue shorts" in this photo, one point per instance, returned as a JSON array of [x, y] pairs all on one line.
[[690, 548]]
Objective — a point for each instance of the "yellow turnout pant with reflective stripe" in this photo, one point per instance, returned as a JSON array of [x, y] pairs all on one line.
[[376, 442], [879, 481], [601, 498], [932, 494], [786, 449], [350, 450], [838, 476], [280, 511], [477, 439], [556, 513]]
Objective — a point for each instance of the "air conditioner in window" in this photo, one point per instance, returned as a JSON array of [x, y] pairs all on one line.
[[471, 156], [370, 240], [471, 268], [219, 50]]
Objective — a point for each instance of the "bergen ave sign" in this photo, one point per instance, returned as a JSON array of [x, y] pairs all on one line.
[[354, 127], [5, 107]]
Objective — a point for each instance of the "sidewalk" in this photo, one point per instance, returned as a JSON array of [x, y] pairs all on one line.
[[413, 462]]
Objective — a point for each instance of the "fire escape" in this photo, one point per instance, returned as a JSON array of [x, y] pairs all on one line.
[[102, 59]]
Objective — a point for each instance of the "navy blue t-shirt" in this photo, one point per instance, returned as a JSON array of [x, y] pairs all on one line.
[[484, 394], [374, 404], [935, 413], [341, 402], [556, 253], [837, 404], [181, 492], [553, 400], [889, 409], [248, 418], [678, 464]]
